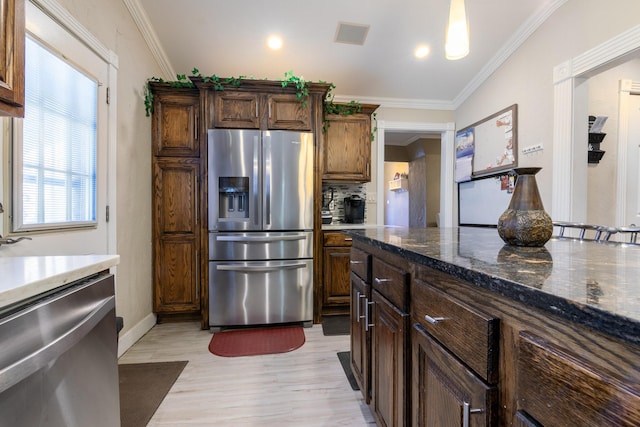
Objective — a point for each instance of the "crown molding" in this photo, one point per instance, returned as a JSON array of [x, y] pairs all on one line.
[[419, 104], [507, 50], [146, 29]]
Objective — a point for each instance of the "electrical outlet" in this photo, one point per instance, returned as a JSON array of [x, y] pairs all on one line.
[[532, 149]]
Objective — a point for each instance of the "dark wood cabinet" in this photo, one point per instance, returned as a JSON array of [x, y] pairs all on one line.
[[559, 387], [336, 269], [178, 229], [347, 146], [175, 126], [360, 335], [389, 339], [12, 39], [380, 339], [479, 358], [445, 392], [254, 110], [176, 236]]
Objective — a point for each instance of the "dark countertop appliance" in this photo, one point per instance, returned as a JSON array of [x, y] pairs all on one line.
[[354, 209]]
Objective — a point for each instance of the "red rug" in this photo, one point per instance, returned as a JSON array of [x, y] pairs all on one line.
[[252, 342]]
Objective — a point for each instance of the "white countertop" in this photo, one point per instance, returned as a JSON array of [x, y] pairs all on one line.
[[27, 276]]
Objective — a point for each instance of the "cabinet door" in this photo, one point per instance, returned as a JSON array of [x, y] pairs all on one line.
[[236, 110], [12, 58], [360, 342], [287, 112], [176, 125], [347, 148], [389, 393], [176, 235], [445, 392], [336, 276]]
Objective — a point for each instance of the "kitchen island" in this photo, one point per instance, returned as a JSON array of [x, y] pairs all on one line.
[[495, 334]]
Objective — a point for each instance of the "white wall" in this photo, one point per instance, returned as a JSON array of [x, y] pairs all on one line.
[[603, 101], [526, 78], [396, 203], [111, 23]]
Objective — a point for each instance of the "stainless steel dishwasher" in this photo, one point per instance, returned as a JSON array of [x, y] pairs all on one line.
[[58, 358]]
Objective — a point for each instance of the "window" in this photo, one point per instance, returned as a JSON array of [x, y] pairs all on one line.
[[55, 151]]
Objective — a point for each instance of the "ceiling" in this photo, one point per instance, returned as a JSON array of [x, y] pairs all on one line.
[[228, 39]]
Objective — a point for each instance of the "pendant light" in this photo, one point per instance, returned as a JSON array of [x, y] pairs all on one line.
[[457, 43]]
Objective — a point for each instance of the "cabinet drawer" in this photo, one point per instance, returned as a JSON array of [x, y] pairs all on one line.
[[361, 264], [468, 333], [558, 387], [336, 239], [391, 282]]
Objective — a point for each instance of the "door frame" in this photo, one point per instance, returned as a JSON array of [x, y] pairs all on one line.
[[448, 189], [570, 126]]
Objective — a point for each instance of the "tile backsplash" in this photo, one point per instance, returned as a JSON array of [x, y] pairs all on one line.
[[340, 191]]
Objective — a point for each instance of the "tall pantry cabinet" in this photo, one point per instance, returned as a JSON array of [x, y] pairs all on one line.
[[177, 212]]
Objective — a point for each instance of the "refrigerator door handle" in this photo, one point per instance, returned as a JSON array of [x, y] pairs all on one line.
[[16, 372], [260, 239], [267, 177], [259, 268]]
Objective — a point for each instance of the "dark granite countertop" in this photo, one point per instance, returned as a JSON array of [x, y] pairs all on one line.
[[592, 283]]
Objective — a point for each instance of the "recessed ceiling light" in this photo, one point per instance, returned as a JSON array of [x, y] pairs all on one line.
[[274, 42], [422, 51]]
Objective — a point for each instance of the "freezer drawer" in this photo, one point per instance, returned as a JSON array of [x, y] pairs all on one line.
[[253, 246], [260, 292]]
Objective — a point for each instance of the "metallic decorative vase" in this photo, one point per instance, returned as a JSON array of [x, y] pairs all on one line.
[[525, 223]]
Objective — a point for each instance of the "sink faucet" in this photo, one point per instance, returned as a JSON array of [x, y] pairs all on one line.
[[10, 241]]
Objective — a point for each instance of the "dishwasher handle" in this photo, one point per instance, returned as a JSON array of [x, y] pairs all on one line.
[[21, 369]]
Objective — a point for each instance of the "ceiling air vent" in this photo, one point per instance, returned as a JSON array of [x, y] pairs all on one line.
[[351, 33]]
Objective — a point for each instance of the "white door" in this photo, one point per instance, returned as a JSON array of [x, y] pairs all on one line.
[[82, 240], [632, 209]]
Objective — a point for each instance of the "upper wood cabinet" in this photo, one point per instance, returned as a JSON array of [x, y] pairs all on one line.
[[255, 110], [347, 146], [175, 130], [12, 58]]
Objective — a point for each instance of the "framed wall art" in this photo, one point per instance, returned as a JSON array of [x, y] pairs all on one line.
[[495, 142]]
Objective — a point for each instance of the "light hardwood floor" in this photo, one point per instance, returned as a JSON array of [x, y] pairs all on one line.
[[305, 387]]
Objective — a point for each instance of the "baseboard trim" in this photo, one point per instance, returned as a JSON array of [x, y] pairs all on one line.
[[135, 333]]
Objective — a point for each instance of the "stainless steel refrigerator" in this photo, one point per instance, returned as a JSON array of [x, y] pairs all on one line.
[[260, 227]]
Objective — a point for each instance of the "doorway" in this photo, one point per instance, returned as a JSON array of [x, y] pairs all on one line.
[[412, 179], [429, 143]]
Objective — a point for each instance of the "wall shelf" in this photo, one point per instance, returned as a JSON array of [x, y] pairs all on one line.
[[401, 184]]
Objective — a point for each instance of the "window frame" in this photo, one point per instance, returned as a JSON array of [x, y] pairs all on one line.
[[16, 159]]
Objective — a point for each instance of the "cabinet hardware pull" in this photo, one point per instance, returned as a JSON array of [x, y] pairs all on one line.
[[434, 320], [352, 262], [348, 239], [360, 296], [380, 281], [256, 108], [269, 109], [367, 325], [466, 413]]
